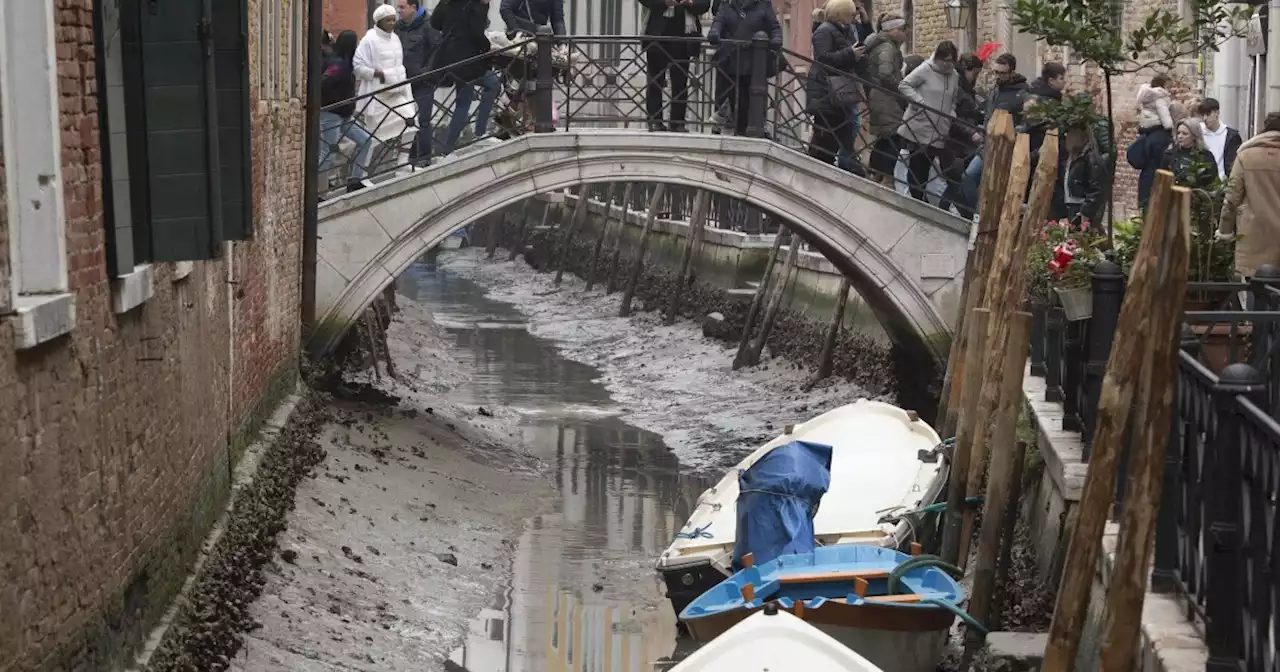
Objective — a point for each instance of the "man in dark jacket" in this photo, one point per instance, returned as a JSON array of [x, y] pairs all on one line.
[[673, 20], [528, 15], [1009, 94], [419, 42], [1222, 140], [740, 20], [1049, 86]]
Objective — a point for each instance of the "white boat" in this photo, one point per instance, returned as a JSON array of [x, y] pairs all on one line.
[[774, 640], [885, 460]]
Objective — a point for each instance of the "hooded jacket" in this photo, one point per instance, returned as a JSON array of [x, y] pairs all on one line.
[[884, 71], [381, 50], [1155, 107], [418, 40], [740, 20], [527, 15], [1010, 97], [932, 92], [1252, 201]]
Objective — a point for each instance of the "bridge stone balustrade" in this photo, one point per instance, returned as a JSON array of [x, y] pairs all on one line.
[[905, 258]]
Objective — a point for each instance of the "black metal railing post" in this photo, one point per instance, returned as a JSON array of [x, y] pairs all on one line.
[[1108, 294], [1038, 314], [1073, 359], [1164, 573], [758, 91], [1225, 591], [543, 100], [1054, 328]]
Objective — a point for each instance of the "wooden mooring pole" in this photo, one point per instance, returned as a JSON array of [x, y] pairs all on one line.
[[958, 481], [611, 276], [697, 222], [757, 300], [1157, 385], [518, 246], [997, 160], [1151, 282], [601, 234], [566, 239], [1010, 529], [827, 360], [752, 356], [637, 264]]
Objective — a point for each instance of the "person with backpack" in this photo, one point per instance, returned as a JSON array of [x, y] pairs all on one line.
[[419, 40], [337, 88]]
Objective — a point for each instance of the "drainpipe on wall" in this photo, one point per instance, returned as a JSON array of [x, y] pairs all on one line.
[[310, 191], [1273, 57], [1229, 65]]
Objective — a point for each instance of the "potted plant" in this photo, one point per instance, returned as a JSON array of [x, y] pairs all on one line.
[[1061, 264]]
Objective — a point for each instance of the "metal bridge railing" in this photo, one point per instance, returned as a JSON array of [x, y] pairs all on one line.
[[576, 82]]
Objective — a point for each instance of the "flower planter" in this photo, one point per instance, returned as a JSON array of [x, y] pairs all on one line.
[[1216, 344], [1077, 302]]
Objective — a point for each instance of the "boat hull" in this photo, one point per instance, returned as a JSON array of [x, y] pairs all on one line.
[[684, 585], [894, 639]]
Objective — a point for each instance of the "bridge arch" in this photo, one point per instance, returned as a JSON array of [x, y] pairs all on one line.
[[904, 258]]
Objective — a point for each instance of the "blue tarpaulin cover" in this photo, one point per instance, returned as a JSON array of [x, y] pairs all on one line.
[[778, 497]]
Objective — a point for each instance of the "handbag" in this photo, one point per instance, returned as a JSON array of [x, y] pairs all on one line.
[[845, 90]]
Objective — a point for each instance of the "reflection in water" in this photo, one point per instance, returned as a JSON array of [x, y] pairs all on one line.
[[583, 595]]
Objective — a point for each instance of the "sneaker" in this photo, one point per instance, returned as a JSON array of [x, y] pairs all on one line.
[[657, 127], [357, 185]]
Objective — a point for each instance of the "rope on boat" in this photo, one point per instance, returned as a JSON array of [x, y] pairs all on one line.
[[697, 533]]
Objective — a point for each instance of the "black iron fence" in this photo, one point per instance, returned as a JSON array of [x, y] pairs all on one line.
[[545, 84], [1217, 531]]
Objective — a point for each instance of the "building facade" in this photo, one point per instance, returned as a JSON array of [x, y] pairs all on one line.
[[150, 236]]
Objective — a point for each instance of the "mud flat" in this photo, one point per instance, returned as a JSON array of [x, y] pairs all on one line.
[[670, 380], [406, 528]]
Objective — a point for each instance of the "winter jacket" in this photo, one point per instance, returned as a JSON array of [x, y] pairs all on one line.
[[1086, 177], [386, 113], [969, 120], [1154, 101], [683, 20], [1229, 147], [884, 71], [1042, 92], [1010, 97], [418, 40], [463, 24], [933, 94], [338, 83], [1193, 168], [527, 15], [1145, 154], [832, 46], [1252, 204], [740, 20]]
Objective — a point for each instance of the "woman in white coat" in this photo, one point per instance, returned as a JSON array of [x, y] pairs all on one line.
[[378, 64]]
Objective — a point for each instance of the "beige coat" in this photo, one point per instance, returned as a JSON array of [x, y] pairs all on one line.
[[1252, 204]]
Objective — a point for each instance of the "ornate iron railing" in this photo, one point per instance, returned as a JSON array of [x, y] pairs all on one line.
[[575, 82]]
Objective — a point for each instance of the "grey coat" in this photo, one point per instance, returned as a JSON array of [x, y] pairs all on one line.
[[884, 71], [926, 87]]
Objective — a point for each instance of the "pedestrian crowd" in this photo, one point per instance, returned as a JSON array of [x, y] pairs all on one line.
[[875, 111]]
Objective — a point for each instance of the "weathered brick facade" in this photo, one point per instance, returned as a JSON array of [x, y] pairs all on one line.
[[115, 440]]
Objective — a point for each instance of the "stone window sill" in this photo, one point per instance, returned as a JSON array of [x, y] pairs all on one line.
[[132, 289], [40, 318], [182, 269]]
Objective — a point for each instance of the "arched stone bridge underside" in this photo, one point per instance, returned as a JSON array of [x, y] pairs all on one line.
[[903, 257]]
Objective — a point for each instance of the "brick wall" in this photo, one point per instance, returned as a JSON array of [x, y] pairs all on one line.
[[115, 439], [340, 15]]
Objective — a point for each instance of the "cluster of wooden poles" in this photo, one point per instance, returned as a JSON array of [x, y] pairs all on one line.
[[768, 297], [982, 400]]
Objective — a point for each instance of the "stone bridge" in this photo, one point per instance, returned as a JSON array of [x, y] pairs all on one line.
[[904, 257]]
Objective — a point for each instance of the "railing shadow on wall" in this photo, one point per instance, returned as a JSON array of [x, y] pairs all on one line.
[[1217, 531]]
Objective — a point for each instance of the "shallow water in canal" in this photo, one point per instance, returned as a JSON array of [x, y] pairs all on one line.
[[583, 594]]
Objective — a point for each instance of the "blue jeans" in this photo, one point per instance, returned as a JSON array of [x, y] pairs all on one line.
[[971, 181], [333, 129], [842, 158], [425, 98], [489, 89]]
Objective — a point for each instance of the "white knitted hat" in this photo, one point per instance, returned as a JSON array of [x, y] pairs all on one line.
[[383, 12]]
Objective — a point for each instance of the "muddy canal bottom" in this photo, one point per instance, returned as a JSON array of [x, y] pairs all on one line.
[[583, 595]]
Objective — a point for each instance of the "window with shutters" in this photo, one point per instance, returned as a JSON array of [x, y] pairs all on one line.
[[175, 124], [39, 306]]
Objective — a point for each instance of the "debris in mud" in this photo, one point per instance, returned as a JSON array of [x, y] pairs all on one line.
[[447, 558], [289, 555], [205, 634], [485, 412], [350, 555], [597, 587]]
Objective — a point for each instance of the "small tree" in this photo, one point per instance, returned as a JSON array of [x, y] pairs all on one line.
[[1094, 31]]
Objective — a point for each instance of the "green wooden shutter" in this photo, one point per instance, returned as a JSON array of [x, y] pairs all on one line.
[[181, 120], [231, 65]]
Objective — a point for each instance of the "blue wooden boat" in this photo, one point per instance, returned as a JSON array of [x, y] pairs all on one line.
[[845, 592]]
